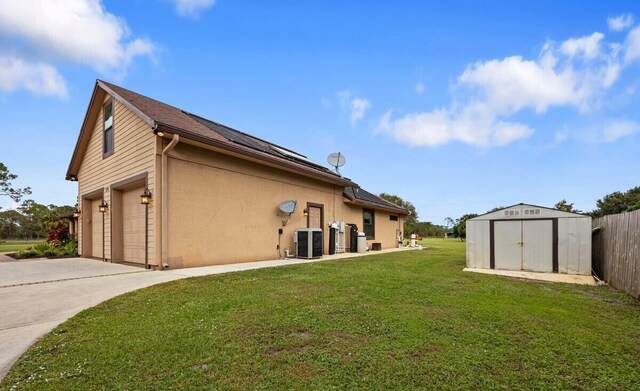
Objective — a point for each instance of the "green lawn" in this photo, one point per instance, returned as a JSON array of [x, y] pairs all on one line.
[[11, 245], [410, 320]]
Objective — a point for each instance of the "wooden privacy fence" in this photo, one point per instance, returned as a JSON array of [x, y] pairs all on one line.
[[616, 251]]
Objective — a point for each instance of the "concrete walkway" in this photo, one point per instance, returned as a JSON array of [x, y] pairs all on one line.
[[38, 295], [551, 277], [4, 257]]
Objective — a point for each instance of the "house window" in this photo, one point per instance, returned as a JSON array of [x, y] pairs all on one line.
[[107, 141], [393, 218], [368, 217]]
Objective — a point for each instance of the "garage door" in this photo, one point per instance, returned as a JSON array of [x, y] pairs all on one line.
[[524, 245], [96, 229], [133, 226]]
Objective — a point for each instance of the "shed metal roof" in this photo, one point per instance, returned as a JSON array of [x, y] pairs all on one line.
[[526, 211]]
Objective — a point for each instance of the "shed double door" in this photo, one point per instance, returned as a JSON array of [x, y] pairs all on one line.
[[524, 245]]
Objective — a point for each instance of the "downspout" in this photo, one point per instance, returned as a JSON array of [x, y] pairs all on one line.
[[165, 195]]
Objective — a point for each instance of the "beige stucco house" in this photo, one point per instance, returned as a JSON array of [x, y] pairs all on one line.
[[215, 191]]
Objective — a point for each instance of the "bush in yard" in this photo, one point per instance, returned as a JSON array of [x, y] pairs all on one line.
[[40, 250], [70, 248], [45, 250], [28, 253], [58, 235]]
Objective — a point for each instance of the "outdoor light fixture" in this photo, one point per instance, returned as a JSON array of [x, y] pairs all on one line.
[[103, 209], [145, 197], [305, 212], [160, 134], [76, 213], [103, 206]]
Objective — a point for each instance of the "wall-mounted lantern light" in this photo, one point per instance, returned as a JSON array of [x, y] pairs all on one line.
[[145, 197], [306, 213], [103, 209]]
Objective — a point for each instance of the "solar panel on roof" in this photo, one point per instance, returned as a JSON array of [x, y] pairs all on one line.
[[294, 155], [231, 134], [251, 142]]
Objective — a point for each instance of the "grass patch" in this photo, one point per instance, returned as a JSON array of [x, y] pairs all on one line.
[[9, 245], [408, 320]]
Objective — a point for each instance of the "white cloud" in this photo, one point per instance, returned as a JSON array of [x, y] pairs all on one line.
[[358, 107], [621, 22], [72, 31], [513, 83], [355, 106], [442, 126], [587, 47], [420, 88], [192, 7], [575, 74], [632, 46], [617, 129], [37, 78]]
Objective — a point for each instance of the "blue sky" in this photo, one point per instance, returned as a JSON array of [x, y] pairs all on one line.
[[457, 108]]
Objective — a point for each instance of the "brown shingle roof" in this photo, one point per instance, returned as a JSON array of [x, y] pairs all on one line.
[[172, 120], [162, 113], [362, 197]]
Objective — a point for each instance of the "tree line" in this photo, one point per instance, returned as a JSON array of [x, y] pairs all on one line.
[[30, 220], [613, 203], [411, 223]]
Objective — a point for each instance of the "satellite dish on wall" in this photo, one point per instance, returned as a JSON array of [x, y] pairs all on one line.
[[336, 160], [287, 207]]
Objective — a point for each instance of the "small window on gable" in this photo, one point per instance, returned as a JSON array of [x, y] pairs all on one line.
[[393, 218], [107, 140], [368, 223]]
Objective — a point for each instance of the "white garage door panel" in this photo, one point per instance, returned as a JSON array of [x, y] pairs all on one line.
[[133, 226], [537, 254], [96, 229], [508, 252]]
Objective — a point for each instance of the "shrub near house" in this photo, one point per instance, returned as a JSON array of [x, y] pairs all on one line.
[[59, 244]]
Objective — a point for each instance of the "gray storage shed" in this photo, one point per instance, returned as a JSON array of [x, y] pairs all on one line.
[[531, 238]]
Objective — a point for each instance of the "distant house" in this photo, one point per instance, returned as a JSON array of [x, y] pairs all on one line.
[[215, 191]]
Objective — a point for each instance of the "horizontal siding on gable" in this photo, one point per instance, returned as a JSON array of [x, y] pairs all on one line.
[[134, 153]]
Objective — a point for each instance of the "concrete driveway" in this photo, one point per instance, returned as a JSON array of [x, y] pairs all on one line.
[[38, 295]]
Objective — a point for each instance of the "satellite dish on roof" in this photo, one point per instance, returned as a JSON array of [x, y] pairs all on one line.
[[337, 160], [287, 207]]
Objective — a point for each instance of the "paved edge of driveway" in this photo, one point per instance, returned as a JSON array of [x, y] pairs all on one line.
[[66, 279]]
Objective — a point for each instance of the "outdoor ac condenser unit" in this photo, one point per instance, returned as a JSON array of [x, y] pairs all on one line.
[[308, 242]]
